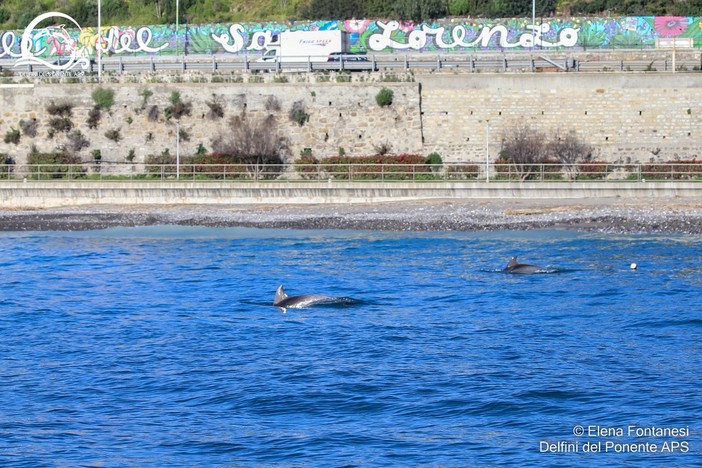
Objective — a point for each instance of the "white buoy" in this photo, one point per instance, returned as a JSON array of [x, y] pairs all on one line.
[[633, 266]]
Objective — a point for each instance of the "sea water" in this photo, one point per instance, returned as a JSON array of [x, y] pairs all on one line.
[[160, 346]]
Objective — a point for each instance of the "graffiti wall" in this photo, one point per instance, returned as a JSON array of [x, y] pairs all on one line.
[[82, 42]]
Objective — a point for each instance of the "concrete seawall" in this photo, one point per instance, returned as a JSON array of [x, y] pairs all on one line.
[[34, 195]]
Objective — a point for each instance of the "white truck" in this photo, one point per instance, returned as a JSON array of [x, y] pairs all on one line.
[[305, 46]]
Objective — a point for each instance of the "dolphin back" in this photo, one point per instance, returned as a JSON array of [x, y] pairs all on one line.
[[514, 267], [283, 301], [280, 295]]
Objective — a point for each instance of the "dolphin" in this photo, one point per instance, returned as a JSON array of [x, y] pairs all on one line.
[[521, 268], [284, 301]]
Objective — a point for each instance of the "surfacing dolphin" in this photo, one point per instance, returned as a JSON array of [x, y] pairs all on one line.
[[283, 301], [522, 268]]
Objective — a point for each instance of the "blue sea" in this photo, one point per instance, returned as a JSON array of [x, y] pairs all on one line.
[[159, 346]]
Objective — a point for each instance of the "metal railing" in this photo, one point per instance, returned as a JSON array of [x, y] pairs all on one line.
[[457, 172], [574, 61]]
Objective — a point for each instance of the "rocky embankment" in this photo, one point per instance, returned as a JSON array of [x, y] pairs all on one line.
[[617, 216]]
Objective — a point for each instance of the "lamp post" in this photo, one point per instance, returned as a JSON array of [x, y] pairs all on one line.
[[533, 23], [177, 150], [98, 41], [674, 41], [176, 31], [487, 151]]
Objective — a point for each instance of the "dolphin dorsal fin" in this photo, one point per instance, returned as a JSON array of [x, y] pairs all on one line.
[[279, 295], [512, 262]]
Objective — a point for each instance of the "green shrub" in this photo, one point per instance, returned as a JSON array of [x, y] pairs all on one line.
[[60, 124], [178, 107], [674, 170], [157, 164], [145, 94], [12, 136], [216, 166], [114, 135], [593, 170], [64, 109], [7, 163], [434, 159], [384, 97], [104, 98], [387, 167], [298, 113], [54, 165], [462, 172], [131, 155], [307, 166]]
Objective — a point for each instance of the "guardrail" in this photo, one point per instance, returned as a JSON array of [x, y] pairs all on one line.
[[459, 172], [471, 63]]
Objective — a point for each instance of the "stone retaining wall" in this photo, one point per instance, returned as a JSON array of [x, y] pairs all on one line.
[[634, 117]]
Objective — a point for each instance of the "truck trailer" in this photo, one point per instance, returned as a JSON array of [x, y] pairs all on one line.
[[305, 46]]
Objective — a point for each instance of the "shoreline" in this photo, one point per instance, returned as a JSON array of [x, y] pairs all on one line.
[[641, 215]]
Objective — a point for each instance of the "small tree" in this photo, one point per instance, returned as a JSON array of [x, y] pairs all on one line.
[[524, 149], [570, 150], [216, 108], [145, 95], [76, 141], [255, 141]]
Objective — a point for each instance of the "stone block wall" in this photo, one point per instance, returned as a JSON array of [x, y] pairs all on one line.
[[627, 117], [650, 117], [341, 115]]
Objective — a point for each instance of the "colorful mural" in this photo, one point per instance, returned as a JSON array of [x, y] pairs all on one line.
[[79, 44]]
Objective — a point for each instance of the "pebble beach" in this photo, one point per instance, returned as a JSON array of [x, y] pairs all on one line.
[[679, 216]]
